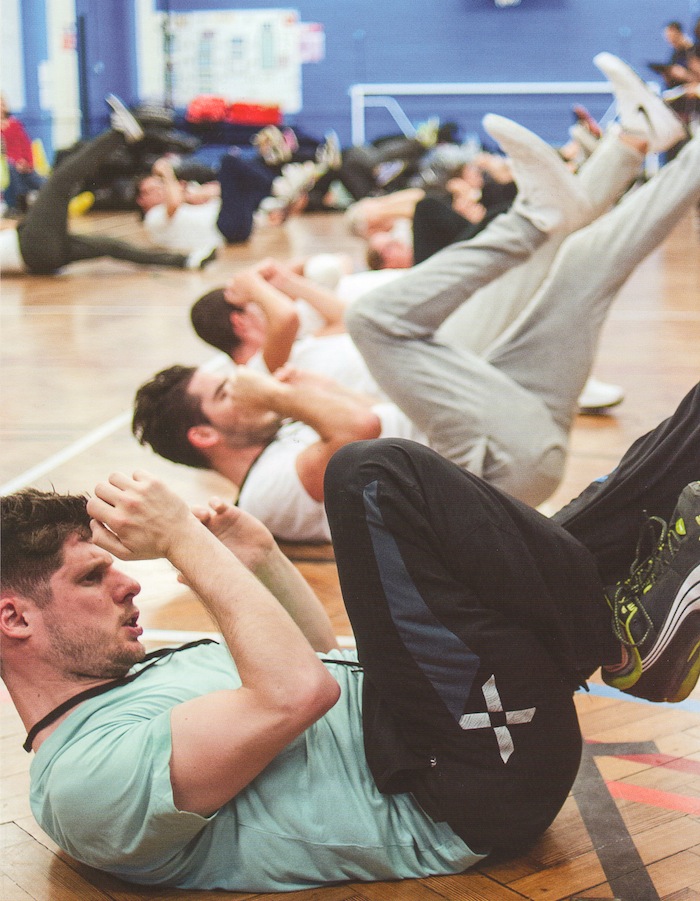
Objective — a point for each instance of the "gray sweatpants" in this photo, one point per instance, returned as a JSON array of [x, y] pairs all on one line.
[[605, 176], [506, 416]]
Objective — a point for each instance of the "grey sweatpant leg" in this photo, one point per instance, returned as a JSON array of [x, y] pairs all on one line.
[[605, 176], [551, 348], [507, 417], [472, 414]]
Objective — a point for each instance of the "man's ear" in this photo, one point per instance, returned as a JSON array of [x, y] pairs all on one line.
[[203, 437], [239, 324], [13, 622]]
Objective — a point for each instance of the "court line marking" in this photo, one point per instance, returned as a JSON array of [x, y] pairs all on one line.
[[72, 450], [87, 441]]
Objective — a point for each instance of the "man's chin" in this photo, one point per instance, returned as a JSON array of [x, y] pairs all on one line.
[[133, 655]]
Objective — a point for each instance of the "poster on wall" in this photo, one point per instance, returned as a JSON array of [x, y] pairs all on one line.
[[242, 55]]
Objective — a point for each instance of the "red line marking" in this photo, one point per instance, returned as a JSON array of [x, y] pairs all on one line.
[[654, 797], [682, 764]]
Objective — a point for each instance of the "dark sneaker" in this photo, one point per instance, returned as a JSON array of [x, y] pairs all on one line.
[[656, 610]]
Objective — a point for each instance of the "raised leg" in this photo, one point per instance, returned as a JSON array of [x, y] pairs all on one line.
[[604, 177], [243, 185], [475, 618], [43, 235], [648, 480], [550, 349]]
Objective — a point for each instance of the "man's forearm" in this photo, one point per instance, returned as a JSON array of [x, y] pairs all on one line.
[[259, 631], [326, 304], [294, 593], [337, 415], [282, 321]]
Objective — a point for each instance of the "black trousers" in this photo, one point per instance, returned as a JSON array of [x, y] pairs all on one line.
[[476, 617], [244, 183], [436, 224], [45, 242]]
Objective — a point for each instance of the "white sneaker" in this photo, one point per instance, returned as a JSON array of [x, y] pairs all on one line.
[[548, 194], [123, 121], [639, 109], [598, 396], [200, 257], [586, 141], [329, 155], [296, 179], [271, 146]]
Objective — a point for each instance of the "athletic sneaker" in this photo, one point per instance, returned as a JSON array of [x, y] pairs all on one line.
[[123, 121], [639, 110], [585, 140], [548, 194], [599, 396], [272, 146], [200, 258], [328, 154], [656, 610], [296, 179]]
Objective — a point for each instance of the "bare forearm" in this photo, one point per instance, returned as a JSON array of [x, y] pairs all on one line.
[[326, 304], [295, 594], [267, 645], [338, 415], [282, 321], [174, 191]]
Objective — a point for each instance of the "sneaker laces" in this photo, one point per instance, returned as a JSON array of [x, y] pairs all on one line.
[[644, 572]]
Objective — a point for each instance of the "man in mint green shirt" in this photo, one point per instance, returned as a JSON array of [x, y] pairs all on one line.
[[184, 768], [453, 736]]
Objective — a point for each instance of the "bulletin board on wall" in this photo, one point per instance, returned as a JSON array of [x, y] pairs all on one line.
[[242, 55]]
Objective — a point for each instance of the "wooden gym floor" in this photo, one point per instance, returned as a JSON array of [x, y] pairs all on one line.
[[75, 347]]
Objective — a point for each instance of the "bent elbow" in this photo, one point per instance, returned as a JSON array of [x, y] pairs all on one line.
[[369, 426], [290, 321], [315, 695]]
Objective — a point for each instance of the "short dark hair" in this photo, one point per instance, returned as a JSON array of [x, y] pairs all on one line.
[[375, 259], [164, 411], [211, 319], [35, 526], [674, 24]]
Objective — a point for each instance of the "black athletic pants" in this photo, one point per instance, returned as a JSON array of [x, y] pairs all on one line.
[[45, 242], [476, 617], [436, 224]]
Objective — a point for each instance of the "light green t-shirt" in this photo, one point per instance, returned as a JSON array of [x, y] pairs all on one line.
[[100, 787]]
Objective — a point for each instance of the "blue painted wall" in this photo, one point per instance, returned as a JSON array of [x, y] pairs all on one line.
[[105, 29], [36, 120], [419, 40], [468, 40]]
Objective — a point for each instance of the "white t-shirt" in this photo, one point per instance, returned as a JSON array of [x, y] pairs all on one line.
[[351, 287], [10, 256], [190, 227], [273, 492], [333, 355]]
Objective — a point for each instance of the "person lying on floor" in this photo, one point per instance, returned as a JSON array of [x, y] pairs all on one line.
[[42, 243], [450, 734]]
